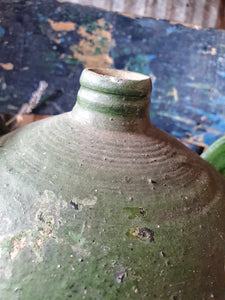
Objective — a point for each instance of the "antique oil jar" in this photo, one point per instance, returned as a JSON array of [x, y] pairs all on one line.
[[98, 203]]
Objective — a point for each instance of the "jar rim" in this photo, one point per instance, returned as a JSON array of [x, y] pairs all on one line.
[[118, 82], [120, 74]]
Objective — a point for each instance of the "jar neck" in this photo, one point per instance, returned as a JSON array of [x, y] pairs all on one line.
[[113, 100]]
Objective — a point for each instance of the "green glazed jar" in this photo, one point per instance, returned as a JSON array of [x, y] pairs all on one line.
[[98, 203]]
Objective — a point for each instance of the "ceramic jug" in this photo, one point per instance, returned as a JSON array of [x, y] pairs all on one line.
[[98, 203], [215, 155]]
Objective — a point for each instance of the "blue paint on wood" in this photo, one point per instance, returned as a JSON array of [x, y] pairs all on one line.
[[210, 138], [171, 29], [186, 65], [222, 74], [2, 31]]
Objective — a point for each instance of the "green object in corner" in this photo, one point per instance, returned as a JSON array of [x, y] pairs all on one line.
[[98, 203], [215, 155]]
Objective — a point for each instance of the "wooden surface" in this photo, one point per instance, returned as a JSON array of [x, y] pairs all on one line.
[[54, 41], [221, 15], [202, 13]]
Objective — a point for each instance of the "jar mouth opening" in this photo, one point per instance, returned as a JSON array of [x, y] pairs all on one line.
[[119, 82], [119, 74]]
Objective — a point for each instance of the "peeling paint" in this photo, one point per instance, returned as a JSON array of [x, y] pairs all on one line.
[[173, 93], [62, 26], [7, 66], [57, 41], [212, 51], [178, 118], [198, 85], [93, 49]]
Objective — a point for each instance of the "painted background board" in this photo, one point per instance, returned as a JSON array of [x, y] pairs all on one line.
[[52, 41], [202, 13]]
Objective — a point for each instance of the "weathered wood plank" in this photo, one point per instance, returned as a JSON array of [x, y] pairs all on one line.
[[202, 12], [221, 16]]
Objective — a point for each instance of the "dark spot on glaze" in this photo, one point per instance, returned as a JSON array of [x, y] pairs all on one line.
[[146, 233], [75, 206], [152, 181], [142, 211], [40, 217], [71, 286], [127, 179], [162, 254], [120, 276]]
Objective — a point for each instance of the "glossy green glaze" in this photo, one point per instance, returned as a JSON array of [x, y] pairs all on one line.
[[215, 155], [98, 203]]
